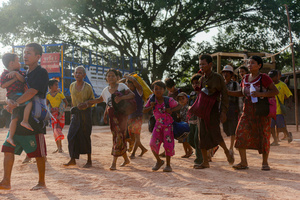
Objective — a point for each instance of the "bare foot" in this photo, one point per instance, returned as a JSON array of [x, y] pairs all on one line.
[[26, 125], [126, 162], [113, 166], [143, 152], [5, 186], [10, 141], [71, 162], [39, 186], [55, 151], [88, 165]]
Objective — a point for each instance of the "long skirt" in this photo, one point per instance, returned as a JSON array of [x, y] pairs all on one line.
[[57, 124], [210, 136], [253, 132], [79, 135], [118, 126]]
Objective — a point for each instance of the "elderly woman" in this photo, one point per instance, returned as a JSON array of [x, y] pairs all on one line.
[[253, 131]]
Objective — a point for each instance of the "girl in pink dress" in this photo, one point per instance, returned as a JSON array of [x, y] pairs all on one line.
[[163, 129]]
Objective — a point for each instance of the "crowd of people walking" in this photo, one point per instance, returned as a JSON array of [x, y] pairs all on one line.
[[194, 119]]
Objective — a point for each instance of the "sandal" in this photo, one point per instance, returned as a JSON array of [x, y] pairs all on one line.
[[201, 166], [158, 165], [240, 167], [265, 168]]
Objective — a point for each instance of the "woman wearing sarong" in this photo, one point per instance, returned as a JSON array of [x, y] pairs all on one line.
[[79, 135], [253, 131], [118, 121]]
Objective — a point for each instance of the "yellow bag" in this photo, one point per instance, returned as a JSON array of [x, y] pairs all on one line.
[[146, 90]]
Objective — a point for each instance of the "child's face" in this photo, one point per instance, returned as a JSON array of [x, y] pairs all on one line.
[[30, 58], [158, 91], [54, 87], [183, 100], [79, 74], [15, 65], [195, 84], [171, 89], [242, 72], [130, 85], [111, 78]]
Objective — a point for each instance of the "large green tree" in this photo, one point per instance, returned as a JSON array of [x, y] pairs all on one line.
[[155, 29]]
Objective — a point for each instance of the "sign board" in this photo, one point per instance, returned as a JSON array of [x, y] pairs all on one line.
[[50, 61]]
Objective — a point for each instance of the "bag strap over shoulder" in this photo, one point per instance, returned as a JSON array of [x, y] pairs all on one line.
[[279, 100], [260, 83], [166, 101]]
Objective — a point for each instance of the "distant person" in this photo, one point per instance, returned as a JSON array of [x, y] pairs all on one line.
[[254, 131], [229, 126], [117, 121], [32, 142], [13, 79], [183, 100], [243, 70], [234, 77], [280, 124], [57, 102], [193, 137], [162, 132], [80, 130]]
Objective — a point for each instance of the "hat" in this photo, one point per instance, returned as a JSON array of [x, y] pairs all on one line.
[[273, 73], [182, 94], [227, 68]]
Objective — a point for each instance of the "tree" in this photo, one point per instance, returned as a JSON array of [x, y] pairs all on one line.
[[156, 29]]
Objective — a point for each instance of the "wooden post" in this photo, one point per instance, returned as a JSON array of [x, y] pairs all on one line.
[[219, 63], [294, 70]]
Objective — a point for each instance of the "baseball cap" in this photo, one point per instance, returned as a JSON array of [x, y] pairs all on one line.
[[227, 68], [273, 73]]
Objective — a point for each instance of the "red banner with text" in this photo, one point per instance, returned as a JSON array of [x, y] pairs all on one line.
[[50, 61]]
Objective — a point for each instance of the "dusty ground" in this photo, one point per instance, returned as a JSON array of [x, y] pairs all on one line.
[[137, 181]]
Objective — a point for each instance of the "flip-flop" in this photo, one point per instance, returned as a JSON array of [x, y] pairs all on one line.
[[265, 168], [274, 144], [167, 169], [290, 137], [240, 167], [201, 166]]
